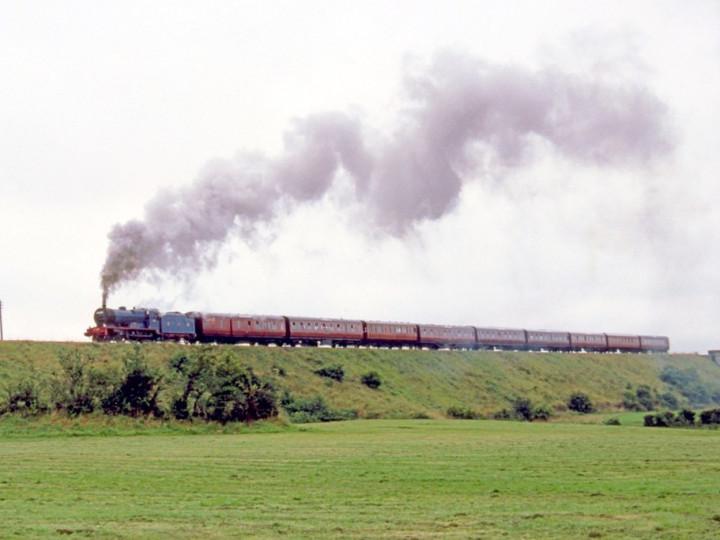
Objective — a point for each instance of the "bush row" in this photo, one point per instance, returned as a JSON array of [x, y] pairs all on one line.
[[524, 409], [684, 418], [200, 384]]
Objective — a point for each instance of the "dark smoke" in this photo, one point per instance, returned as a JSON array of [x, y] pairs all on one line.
[[462, 115]]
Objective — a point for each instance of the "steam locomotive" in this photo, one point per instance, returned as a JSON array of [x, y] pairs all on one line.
[[141, 324]]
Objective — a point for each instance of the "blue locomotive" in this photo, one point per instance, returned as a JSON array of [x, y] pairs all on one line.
[[140, 324]]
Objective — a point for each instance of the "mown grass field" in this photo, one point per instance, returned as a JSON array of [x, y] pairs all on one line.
[[367, 479], [384, 476]]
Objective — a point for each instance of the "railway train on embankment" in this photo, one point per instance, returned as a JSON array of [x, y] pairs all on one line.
[[141, 324]]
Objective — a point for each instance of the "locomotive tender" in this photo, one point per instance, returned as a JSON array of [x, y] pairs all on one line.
[[140, 324]]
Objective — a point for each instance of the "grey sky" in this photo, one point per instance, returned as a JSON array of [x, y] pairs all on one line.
[[533, 165]]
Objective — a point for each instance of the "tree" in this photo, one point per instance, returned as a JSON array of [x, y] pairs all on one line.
[[221, 389], [239, 395], [192, 370], [137, 392]]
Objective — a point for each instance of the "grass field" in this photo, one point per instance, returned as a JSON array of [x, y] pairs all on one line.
[[366, 479]]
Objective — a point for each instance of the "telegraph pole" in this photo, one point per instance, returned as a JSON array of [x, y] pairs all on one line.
[[1, 331]]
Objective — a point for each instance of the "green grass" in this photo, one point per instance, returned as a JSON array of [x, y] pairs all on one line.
[[116, 477], [367, 479]]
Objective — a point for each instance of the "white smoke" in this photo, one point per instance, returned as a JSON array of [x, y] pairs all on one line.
[[465, 119]]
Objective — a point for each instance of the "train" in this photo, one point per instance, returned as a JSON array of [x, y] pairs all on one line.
[[142, 324]]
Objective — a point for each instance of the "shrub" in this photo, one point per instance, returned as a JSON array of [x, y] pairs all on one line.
[[710, 417], [523, 408], [630, 401], [686, 417], [645, 398], [80, 388], [332, 371], [371, 379], [640, 400], [612, 422], [503, 414], [24, 397], [313, 409], [462, 413], [581, 403], [542, 412], [664, 419]]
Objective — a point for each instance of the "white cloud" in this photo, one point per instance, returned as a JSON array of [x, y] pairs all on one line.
[[107, 103]]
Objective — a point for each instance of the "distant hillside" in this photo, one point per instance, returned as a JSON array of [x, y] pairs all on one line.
[[419, 383]]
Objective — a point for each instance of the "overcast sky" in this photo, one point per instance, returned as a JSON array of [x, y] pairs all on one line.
[[539, 165]]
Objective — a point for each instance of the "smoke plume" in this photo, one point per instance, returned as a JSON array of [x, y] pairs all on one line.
[[465, 119]]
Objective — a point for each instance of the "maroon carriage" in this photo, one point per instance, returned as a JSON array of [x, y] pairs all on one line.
[[654, 343], [447, 337], [240, 328], [623, 343], [551, 341], [389, 334], [314, 331], [588, 342], [500, 338]]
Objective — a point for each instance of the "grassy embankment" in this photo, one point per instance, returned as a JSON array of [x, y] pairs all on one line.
[[414, 383]]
